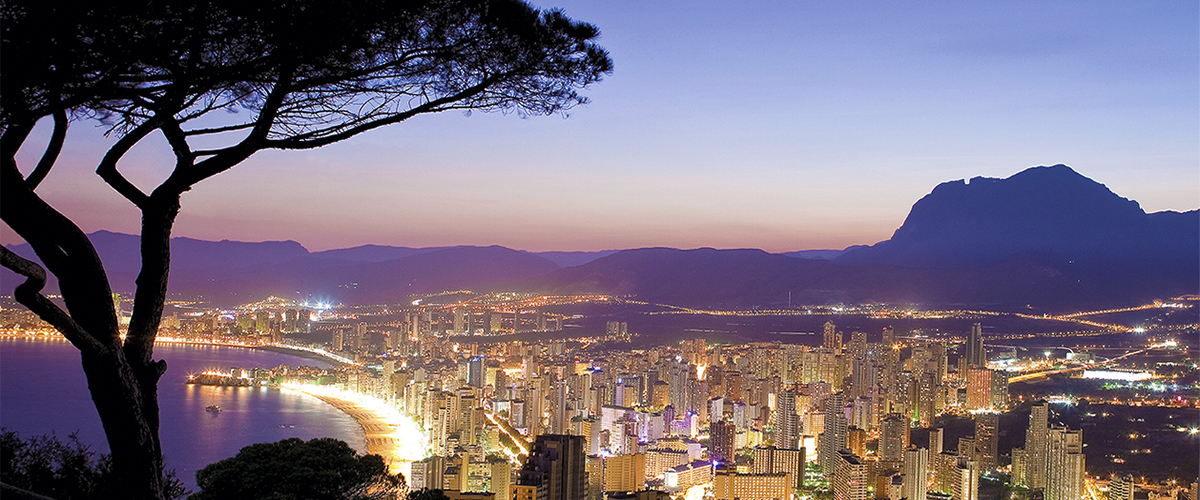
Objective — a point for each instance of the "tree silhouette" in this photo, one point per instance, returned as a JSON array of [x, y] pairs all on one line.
[[220, 80], [293, 469]]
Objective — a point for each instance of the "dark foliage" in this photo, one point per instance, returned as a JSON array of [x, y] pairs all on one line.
[[65, 471], [293, 469]]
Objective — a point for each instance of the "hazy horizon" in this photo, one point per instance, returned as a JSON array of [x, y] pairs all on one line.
[[777, 126]]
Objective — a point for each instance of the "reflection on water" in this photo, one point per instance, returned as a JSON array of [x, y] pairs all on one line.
[[43, 391]]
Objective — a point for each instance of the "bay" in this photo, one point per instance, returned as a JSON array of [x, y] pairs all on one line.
[[43, 391]]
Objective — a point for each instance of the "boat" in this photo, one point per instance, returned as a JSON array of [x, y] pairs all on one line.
[[213, 408]]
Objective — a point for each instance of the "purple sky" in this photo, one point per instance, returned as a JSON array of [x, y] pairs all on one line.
[[781, 126]]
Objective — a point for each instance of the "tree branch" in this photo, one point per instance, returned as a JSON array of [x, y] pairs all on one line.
[[64, 250], [52, 150], [217, 130], [14, 136], [178, 141], [427, 107], [27, 294], [107, 169], [253, 141]]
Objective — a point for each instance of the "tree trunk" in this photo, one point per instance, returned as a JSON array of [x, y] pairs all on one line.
[[122, 377], [129, 414]]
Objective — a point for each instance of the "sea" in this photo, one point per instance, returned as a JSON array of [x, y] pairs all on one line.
[[43, 391]]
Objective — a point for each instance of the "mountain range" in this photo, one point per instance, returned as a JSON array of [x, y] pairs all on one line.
[[1047, 239]]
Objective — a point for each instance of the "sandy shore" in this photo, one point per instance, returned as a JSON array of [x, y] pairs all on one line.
[[380, 435], [388, 434]]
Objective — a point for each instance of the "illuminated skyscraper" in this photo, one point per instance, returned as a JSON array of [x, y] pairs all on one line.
[[730, 485], [1036, 442], [936, 439], [986, 389], [850, 479], [771, 459], [721, 435], [987, 438], [461, 319], [966, 480], [916, 473], [893, 438], [476, 371], [889, 337], [787, 428], [1065, 462], [856, 441], [976, 355], [833, 338], [625, 472], [833, 439], [556, 467]]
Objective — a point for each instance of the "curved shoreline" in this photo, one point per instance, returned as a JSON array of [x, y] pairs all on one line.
[[289, 350], [388, 437], [377, 434], [386, 432]]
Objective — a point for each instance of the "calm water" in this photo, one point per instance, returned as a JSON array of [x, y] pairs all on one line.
[[43, 391]]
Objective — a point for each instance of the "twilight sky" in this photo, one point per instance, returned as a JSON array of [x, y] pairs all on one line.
[[781, 125]]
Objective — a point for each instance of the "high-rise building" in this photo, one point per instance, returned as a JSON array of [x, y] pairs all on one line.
[[721, 441], [966, 480], [1036, 443], [945, 472], [926, 401], [832, 338], [858, 345], [787, 416], [999, 391], [476, 371], [1065, 463], [625, 472], [987, 439], [833, 439], [987, 389], [501, 475], [893, 438], [889, 337], [360, 336], [851, 479], [771, 459], [663, 456], [556, 467], [936, 438], [976, 355], [690, 474], [916, 473], [856, 441]]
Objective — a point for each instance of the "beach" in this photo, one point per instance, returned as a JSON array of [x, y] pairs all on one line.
[[387, 433]]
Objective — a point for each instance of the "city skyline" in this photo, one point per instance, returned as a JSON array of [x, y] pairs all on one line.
[[781, 128]]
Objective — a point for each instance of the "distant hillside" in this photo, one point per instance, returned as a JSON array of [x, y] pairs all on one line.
[[1053, 218], [231, 272], [572, 259], [1050, 214], [373, 253], [1047, 238], [191, 259], [815, 254], [709, 278]]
